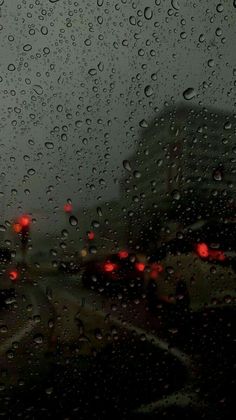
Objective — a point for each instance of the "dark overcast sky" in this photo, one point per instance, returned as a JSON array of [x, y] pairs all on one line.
[[77, 78]]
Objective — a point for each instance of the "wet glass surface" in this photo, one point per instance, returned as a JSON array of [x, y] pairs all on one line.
[[118, 221]]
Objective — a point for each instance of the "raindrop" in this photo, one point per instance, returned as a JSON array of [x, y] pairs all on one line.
[[49, 145], [170, 270], [10, 300], [189, 94], [227, 125], [98, 334], [148, 91], [137, 174], [99, 211], [11, 67], [38, 338], [3, 329], [50, 323], [92, 250], [64, 233], [100, 2], [148, 13], [132, 20], [38, 89], [95, 224], [175, 4], [219, 8], [92, 72], [126, 165], [64, 137], [27, 47], [176, 195], [31, 171], [44, 30], [100, 66], [73, 221], [143, 123], [217, 175]]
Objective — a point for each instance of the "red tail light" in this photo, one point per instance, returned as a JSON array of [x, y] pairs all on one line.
[[217, 255], [91, 235], [155, 270], [202, 250], [123, 254], [140, 266], [14, 275], [109, 267]]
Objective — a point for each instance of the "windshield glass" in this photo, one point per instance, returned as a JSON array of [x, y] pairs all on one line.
[[118, 211]]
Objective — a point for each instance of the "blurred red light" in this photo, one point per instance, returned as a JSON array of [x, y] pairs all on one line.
[[123, 254], [68, 208], [155, 270], [24, 221], [17, 227], [140, 266], [13, 275], [91, 235], [216, 254], [109, 267], [202, 250]]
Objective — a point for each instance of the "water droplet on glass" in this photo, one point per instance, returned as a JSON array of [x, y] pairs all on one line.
[[143, 123], [148, 91], [175, 4], [38, 89], [189, 94], [148, 13], [217, 175], [170, 270], [11, 67], [3, 329], [73, 221], [227, 125], [49, 145], [27, 47], [92, 72], [137, 174], [99, 211], [176, 195], [44, 30], [38, 338], [98, 334], [126, 165], [31, 171], [219, 8]]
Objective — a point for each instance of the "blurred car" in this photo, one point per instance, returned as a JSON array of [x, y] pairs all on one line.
[[8, 276], [201, 264], [121, 272]]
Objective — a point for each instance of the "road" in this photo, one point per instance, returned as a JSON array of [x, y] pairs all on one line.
[[58, 335]]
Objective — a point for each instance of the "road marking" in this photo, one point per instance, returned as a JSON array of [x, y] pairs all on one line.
[[17, 337], [184, 398], [30, 325], [161, 344]]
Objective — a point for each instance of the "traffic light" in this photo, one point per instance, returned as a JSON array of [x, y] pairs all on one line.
[[22, 228], [68, 208], [25, 229]]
